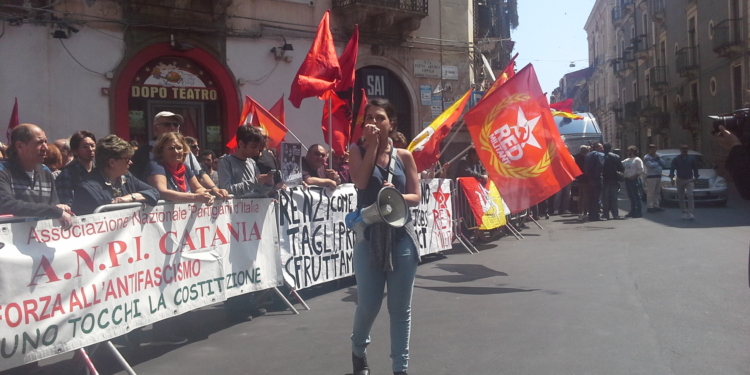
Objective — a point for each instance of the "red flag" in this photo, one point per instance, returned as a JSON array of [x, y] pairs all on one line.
[[261, 117], [518, 142], [508, 73], [341, 121], [426, 145], [188, 126], [13, 120], [278, 111], [563, 106], [320, 70], [359, 122], [348, 62]]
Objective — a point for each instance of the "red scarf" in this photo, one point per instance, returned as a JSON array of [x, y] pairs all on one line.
[[178, 176]]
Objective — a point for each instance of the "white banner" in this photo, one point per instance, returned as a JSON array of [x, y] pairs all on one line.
[[113, 272], [316, 246], [432, 217]]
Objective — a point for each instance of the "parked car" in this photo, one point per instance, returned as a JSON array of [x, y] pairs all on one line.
[[709, 187]]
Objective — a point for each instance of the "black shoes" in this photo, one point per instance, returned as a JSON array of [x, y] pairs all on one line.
[[360, 365]]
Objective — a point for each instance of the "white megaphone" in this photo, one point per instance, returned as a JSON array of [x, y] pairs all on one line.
[[389, 208]]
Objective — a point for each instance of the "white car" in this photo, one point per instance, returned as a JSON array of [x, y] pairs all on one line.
[[709, 187]]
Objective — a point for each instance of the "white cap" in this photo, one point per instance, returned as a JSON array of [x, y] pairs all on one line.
[[169, 114]]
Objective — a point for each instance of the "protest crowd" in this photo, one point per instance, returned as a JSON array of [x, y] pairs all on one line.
[[53, 183]]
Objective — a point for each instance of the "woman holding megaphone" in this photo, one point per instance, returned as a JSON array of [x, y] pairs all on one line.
[[386, 255]]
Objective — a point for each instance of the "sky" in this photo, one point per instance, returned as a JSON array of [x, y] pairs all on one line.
[[549, 36]]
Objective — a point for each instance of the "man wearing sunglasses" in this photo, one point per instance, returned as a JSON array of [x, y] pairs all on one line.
[[166, 122], [314, 171]]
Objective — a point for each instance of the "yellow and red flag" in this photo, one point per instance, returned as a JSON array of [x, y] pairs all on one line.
[[275, 130], [518, 142], [485, 202], [564, 109], [508, 73], [426, 145]]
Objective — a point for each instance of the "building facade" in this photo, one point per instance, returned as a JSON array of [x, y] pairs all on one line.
[[110, 65], [662, 67]]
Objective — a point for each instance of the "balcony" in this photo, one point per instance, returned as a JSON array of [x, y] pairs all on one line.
[[641, 48], [381, 17], [658, 10], [627, 6], [660, 120], [617, 16], [728, 38], [658, 76], [686, 62], [688, 114]]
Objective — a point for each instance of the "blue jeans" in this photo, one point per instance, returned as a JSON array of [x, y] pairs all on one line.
[[609, 199], [634, 194], [370, 287]]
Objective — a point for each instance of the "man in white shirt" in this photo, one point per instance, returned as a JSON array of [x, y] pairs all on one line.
[[633, 172]]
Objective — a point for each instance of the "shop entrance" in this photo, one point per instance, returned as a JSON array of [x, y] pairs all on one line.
[[193, 84]]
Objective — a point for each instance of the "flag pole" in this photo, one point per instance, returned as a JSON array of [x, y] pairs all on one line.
[[330, 132], [460, 154], [295, 137], [456, 132]]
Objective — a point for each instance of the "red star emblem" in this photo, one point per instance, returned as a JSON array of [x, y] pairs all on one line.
[[441, 198]]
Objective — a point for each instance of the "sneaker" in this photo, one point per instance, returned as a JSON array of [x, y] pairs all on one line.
[[546, 217], [167, 339], [556, 212], [690, 216], [685, 216], [567, 212]]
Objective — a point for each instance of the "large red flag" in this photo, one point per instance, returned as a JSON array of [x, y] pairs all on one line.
[[359, 122], [13, 120], [278, 111], [320, 70], [348, 62], [518, 142], [341, 121], [261, 117], [426, 145]]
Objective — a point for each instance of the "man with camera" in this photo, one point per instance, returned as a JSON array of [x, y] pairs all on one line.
[[732, 133]]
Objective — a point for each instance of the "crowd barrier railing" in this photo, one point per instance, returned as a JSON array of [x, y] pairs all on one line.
[[300, 230]]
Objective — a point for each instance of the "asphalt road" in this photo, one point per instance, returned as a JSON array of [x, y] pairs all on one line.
[[655, 295]]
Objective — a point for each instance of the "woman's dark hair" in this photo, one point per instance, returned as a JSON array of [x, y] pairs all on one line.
[[111, 147], [390, 110], [249, 133], [78, 137]]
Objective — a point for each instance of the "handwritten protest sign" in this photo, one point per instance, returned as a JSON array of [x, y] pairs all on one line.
[[432, 217], [316, 245], [113, 272]]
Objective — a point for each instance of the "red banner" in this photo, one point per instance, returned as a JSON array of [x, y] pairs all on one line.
[[518, 142]]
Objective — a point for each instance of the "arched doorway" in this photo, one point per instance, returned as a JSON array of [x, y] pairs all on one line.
[[191, 83], [380, 82]]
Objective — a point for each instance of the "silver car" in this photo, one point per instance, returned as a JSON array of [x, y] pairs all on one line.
[[709, 187]]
